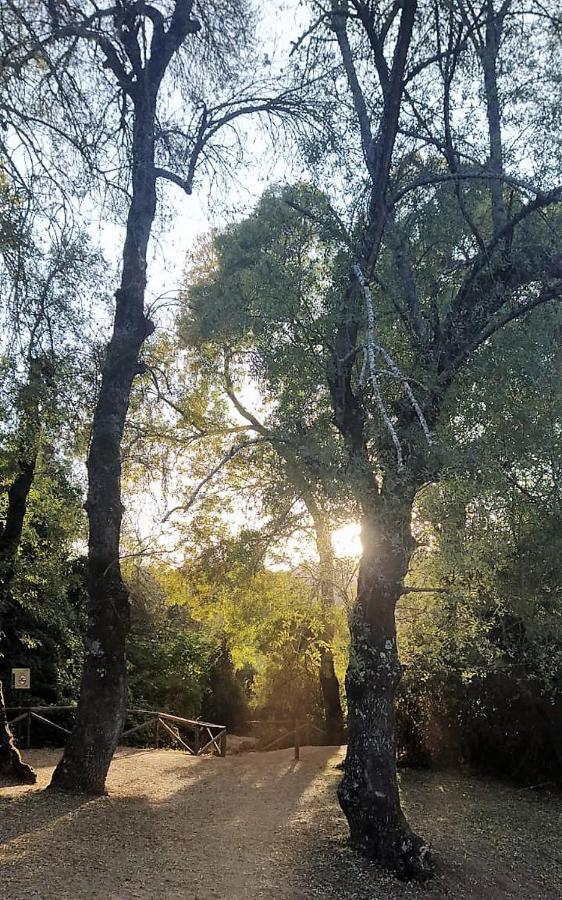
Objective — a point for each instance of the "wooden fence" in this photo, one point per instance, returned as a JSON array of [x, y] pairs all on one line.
[[203, 736], [296, 734]]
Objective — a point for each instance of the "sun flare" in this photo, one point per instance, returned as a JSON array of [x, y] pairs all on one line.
[[346, 540]]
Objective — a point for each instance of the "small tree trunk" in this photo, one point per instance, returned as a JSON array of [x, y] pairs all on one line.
[[368, 793], [11, 763], [31, 396], [333, 713]]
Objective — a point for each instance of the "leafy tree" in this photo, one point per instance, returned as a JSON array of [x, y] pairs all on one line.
[[271, 620], [170, 656], [42, 323], [483, 653], [394, 305], [444, 250], [45, 613], [232, 339]]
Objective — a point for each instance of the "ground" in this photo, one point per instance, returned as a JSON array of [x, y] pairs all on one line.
[[262, 825]]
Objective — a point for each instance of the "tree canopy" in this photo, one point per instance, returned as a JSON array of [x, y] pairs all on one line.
[[364, 332]]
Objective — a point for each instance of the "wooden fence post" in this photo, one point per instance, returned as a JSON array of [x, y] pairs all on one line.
[[28, 731], [157, 734], [297, 741], [223, 743]]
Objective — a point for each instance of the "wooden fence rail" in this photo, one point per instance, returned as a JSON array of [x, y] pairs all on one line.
[[202, 735], [295, 733]]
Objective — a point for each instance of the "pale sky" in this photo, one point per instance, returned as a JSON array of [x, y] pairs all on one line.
[[283, 21]]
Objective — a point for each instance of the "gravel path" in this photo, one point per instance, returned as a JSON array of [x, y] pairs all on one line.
[[260, 825]]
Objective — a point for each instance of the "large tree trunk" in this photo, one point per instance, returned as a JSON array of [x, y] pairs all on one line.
[[11, 764], [368, 793], [329, 684], [102, 704]]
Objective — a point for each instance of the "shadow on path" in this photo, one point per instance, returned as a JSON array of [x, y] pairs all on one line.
[[171, 827], [260, 825]]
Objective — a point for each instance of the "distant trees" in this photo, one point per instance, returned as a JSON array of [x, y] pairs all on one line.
[[177, 662], [221, 321], [223, 634]]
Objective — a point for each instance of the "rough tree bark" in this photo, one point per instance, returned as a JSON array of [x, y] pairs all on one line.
[[102, 704], [11, 764], [101, 709], [368, 792]]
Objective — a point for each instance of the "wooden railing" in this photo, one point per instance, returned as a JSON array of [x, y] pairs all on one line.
[[206, 735], [203, 736], [296, 734]]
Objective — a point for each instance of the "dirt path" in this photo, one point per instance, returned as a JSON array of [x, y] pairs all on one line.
[[260, 825]]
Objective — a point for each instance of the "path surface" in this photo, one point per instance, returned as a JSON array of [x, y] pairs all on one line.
[[260, 826]]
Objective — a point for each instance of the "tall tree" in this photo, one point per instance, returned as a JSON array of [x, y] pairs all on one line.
[[101, 709], [116, 75], [435, 326], [414, 281]]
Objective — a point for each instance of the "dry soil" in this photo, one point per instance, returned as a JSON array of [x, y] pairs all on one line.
[[260, 825]]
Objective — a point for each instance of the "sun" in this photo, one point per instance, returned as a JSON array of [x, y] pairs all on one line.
[[346, 540]]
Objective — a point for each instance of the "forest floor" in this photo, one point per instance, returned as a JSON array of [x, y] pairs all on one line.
[[260, 825]]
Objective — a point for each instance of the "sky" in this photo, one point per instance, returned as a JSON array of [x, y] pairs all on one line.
[[189, 218], [184, 220]]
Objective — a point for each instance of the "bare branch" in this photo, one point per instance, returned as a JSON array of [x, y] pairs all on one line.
[[370, 353]]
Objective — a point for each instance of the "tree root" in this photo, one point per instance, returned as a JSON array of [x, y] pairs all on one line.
[[411, 859], [401, 851], [12, 765]]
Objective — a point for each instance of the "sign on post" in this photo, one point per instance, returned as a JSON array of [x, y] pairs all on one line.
[[21, 679]]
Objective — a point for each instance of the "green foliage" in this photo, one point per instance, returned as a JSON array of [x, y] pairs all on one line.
[[45, 612], [177, 664], [271, 622], [265, 305], [484, 657]]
